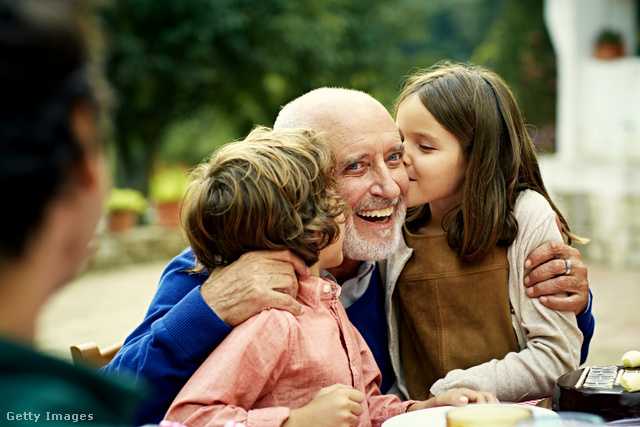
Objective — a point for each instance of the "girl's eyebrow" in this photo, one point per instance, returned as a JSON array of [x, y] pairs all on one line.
[[428, 136]]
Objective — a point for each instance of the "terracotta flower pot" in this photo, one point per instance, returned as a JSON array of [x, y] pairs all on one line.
[[608, 51], [168, 214], [121, 221]]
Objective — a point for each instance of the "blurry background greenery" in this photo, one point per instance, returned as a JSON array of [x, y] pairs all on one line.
[[191, 75]]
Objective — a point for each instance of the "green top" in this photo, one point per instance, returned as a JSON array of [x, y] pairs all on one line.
[[39, 390]]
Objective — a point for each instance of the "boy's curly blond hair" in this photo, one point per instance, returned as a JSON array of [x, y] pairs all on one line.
[[272, 191]]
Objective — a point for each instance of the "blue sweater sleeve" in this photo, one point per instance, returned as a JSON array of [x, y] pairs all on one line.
[[178, 332], [587, 324]]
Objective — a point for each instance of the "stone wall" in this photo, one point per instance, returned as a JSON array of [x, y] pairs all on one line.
[[611, 223], [142, 244]]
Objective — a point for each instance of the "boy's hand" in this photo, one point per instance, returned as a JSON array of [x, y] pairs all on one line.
[[334, 406], [458, 397]]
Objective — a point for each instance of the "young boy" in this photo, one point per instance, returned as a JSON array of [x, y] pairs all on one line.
[[274, 191]]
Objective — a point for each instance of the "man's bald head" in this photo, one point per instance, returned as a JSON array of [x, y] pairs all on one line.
[[368, 152], [336, 112]]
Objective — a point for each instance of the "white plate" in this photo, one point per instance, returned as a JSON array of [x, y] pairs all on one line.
[[436, 417]]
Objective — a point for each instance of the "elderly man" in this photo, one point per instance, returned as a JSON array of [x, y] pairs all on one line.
[[192, 313]]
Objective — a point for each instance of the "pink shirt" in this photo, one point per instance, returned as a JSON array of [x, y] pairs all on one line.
[[276, 361]]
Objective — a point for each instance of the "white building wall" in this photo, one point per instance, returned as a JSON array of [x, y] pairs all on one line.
[[595, 174]]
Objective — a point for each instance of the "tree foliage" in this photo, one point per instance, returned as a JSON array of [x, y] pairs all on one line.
[[192, 74], [519, 49], [241, 59]]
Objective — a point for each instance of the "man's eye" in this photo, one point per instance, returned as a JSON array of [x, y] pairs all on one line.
[[395, 157], [354, 166]]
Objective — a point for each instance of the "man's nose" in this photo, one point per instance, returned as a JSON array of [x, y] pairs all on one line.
[[384, 184]]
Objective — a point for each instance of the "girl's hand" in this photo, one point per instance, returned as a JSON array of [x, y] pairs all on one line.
[[458, 397], [337, 405]]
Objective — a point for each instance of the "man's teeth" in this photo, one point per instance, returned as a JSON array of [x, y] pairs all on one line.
[[377, 213]]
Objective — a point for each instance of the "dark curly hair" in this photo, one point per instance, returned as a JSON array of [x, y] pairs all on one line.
[[272, 190], [48, 62]]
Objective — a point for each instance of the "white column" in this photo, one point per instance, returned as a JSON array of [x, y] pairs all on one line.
[[561, 20]]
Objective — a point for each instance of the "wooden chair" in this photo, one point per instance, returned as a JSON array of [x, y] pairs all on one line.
[[88, 354]]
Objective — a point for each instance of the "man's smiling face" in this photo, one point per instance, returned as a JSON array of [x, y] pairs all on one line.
[[372, 179]]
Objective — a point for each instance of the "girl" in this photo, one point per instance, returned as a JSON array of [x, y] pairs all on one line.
[[273, 191], [478, 206]]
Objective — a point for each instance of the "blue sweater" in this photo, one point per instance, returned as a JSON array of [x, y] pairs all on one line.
[[180, 330]]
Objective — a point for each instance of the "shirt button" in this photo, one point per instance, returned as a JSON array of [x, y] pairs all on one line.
[[326, 288]]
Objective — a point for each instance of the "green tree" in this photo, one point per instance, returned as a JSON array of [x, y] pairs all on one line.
[[519, 49], [242, 59]]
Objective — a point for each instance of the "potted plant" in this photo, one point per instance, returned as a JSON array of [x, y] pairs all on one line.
[[123, 206], [166, 187], [609, 45]]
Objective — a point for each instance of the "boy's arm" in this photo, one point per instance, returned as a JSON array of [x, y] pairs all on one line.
[[381, 406], [233, 378]]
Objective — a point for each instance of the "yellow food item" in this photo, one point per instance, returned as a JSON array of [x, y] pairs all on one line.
[[631, 359], [487, 415], [630, 381]]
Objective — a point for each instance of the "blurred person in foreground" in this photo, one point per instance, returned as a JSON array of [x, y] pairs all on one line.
[[53, 179]]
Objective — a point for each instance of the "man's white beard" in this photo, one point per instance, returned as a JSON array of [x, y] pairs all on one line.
[[385, 243]]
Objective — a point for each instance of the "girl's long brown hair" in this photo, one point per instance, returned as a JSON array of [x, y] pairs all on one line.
[[479, 109]]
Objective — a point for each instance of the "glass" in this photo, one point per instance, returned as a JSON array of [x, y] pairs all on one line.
[[564, 419]]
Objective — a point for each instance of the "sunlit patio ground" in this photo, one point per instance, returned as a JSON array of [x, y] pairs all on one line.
[[105, 306]]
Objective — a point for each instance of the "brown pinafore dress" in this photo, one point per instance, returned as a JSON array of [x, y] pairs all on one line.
[[453, 315]]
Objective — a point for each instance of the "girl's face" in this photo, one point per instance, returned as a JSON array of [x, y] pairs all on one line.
[[433, 157]]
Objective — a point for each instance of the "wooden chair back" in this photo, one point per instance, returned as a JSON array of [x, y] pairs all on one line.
[[88, 354]]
